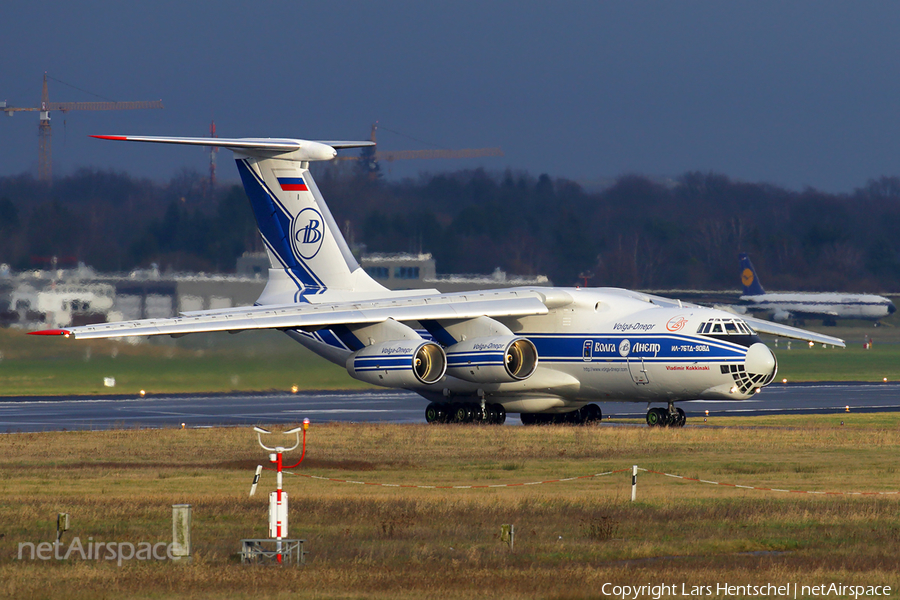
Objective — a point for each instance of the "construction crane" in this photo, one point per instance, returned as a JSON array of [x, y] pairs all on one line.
[[45, 166], [213, 150], [392, 155]]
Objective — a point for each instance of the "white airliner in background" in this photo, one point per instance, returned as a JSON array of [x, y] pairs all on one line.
[[802, 305], [546, 353]]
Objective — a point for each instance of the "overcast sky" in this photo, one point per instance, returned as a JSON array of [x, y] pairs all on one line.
[[791, 93]]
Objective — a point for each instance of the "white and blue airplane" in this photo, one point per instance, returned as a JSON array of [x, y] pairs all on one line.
[[546, 353], [828, 306]]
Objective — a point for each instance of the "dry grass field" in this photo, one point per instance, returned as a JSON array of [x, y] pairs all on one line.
[[388, 542]]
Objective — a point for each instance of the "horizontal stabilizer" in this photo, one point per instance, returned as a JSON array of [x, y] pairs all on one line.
[[297, 149], [343, 145]]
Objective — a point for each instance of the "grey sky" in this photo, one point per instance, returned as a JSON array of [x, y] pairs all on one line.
[[793, 93]]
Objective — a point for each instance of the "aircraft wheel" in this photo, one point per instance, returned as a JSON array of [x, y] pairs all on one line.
[[496, 414], [682, 418], [576, 417], [432, 414], [536, 419], [459, 413], [656, 417], [592, 414]]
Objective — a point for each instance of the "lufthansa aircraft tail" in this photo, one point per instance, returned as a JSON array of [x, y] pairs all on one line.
[[749, 279], [308, 256]]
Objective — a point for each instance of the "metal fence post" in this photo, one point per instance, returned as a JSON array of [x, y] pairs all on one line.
[[181, 532], [633, 483]]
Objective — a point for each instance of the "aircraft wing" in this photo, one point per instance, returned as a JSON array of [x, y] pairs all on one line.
[[760, 325], [316, 316], [787, 331]]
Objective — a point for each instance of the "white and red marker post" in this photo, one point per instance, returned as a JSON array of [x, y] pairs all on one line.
[[278, 500]]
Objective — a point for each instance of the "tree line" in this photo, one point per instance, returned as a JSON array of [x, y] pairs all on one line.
[[638, 232]]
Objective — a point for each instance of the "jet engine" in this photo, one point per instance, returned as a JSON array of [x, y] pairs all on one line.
[[399, 363], [492, 359]]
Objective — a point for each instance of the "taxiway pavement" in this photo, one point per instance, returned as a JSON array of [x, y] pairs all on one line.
[[197, 410]]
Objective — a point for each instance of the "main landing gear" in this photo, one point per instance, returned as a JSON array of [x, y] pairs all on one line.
[[465, 412], [585, 415], [660, 417]]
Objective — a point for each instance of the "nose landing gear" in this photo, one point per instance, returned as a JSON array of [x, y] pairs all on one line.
[[660, 417]]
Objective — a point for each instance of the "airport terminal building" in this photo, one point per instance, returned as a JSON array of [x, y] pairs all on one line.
[[80, 296]]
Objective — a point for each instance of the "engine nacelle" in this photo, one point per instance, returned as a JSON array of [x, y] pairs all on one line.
[[781, 315], [492, 359], [399, 363]]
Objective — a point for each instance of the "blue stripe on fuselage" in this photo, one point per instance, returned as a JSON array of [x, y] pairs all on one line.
[[346, 336], [656, 346], [328, 337], [437, 331]]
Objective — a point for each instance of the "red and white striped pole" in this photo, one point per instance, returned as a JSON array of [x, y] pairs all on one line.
[[280, 508]]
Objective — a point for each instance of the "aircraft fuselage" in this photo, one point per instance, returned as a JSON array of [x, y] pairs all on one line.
[[822, 305], [611, 345]]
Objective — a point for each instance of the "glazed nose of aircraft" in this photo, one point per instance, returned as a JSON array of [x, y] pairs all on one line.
[[891, 308], [760, 364]]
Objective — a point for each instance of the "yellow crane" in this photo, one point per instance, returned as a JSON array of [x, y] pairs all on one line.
[[45, 166]]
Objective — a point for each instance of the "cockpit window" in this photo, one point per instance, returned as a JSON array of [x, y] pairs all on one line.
[[725, 327]]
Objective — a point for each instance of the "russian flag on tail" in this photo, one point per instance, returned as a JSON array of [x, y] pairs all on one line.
[[292, 184]]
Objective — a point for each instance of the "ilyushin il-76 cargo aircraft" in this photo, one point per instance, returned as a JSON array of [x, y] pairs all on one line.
[[547, 353]]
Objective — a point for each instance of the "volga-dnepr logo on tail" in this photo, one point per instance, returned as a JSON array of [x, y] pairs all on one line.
[[307, 233]]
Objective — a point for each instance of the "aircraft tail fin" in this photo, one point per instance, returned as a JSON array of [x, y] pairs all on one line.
[[307, 252], [749, 278]]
